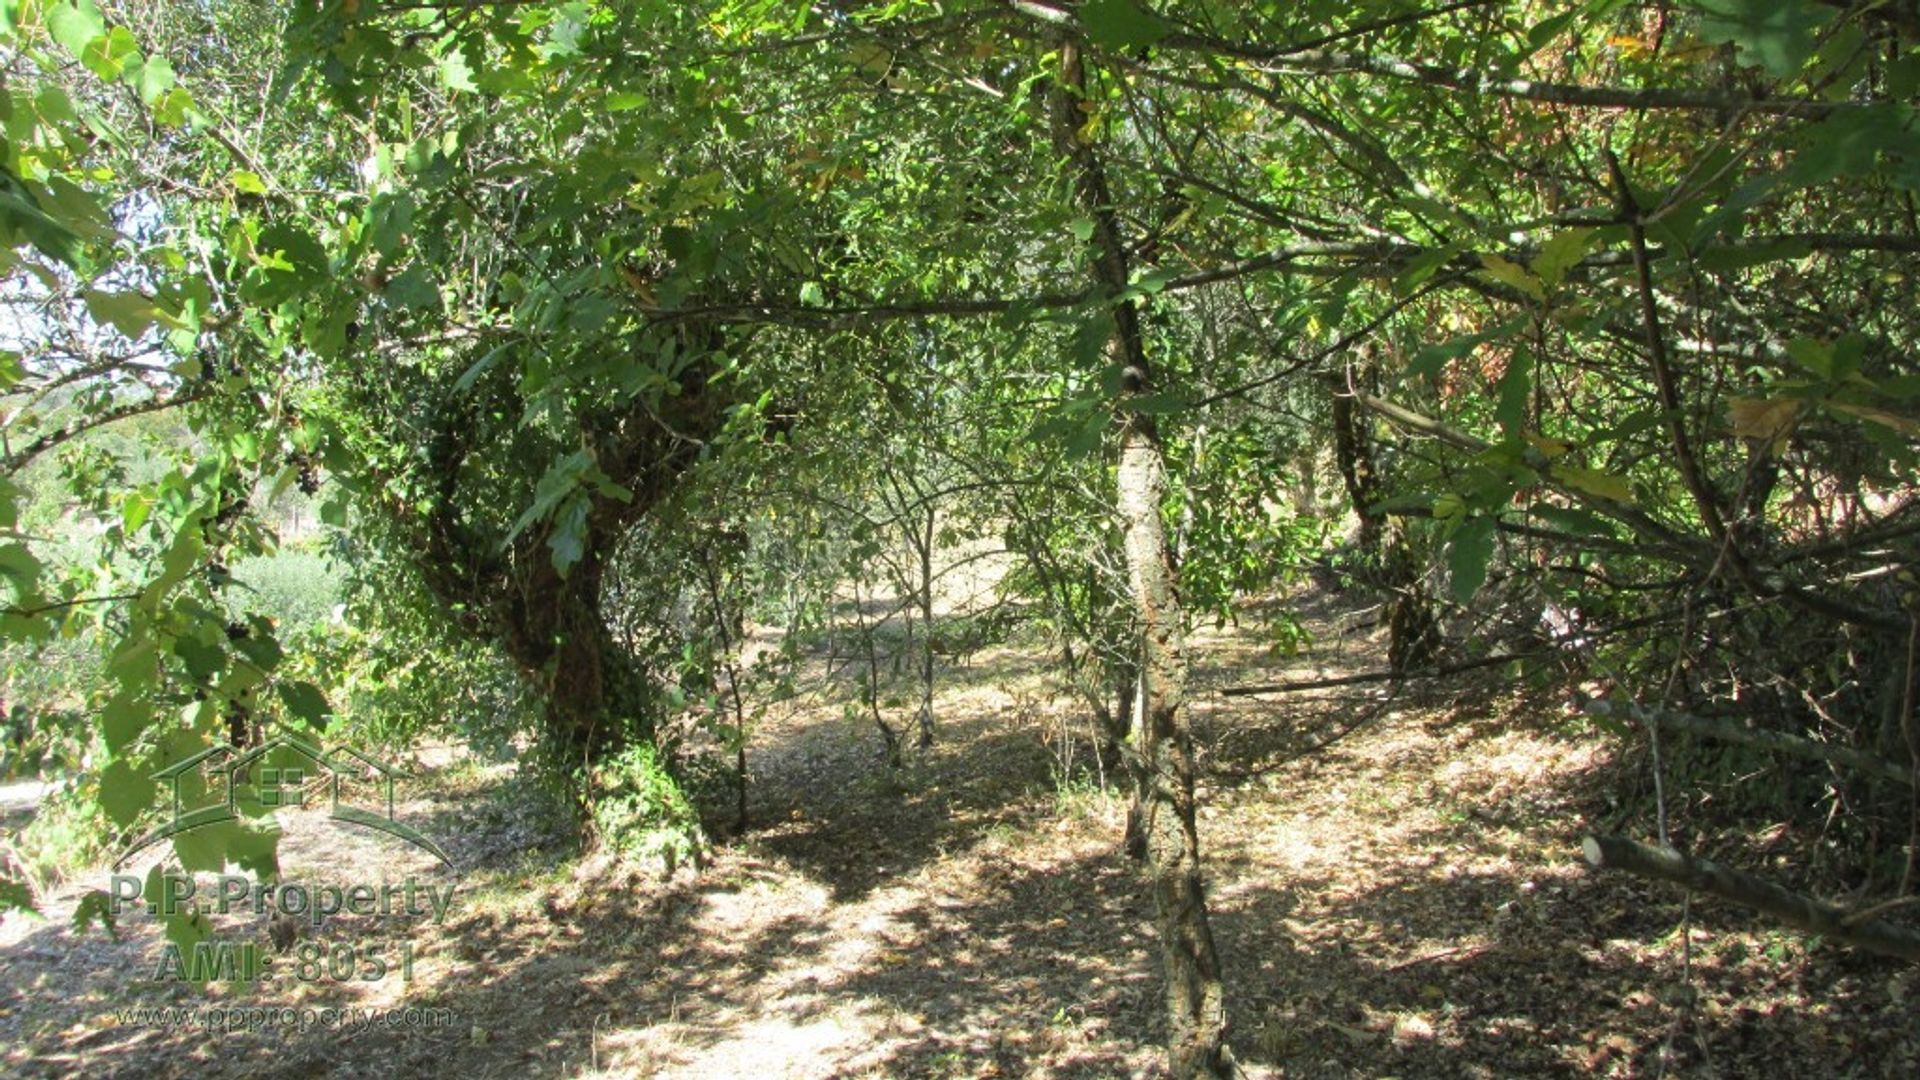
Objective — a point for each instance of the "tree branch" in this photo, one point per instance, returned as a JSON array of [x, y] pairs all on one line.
[[1779, 741], [1800, 912]]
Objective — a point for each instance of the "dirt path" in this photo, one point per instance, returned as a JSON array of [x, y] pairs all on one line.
[[1406, 902]]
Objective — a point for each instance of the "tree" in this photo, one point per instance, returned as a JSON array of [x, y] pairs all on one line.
[[1624, 283], [1196, 999]]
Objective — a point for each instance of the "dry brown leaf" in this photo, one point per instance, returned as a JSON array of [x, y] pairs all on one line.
[[1769, 420]]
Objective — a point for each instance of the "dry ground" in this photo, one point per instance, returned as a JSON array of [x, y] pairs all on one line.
[[1404, 901]]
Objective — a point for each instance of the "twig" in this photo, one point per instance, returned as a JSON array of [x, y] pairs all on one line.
[[1470, 950], [1376, 676]]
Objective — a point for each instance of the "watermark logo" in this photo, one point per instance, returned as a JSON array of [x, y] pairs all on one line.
[[210, 787]]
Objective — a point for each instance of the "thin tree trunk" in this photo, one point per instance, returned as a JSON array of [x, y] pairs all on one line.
[[1195, 995], [923, 545], [1412, 631]]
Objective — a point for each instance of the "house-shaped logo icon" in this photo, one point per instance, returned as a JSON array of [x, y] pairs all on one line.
[[280, 772]]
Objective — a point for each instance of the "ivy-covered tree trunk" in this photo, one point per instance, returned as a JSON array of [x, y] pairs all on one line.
[[553, 628], [1412, 631], [1164, 814], [546, 612]]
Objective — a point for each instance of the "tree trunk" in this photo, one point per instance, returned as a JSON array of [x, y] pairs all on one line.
[[1196, 1003], [551, 624], [555, 632], [1412, 631], [923, 550], [1195, 995]]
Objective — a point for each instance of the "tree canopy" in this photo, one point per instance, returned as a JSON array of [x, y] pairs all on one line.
[[1603, 306]]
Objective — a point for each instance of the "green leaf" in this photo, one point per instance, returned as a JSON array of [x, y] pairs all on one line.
[[261, 650], [1813, 354], [203, 661], [186, 929], [1561, 254], [568, 540], [55, 107], [1593, 482], [414, 290], [122, 720], [1157, 404], [1728, 257], [1430, 359], [213, 847], [872, 58], [130, 313], [16, 896], [75, 26], [1574, 520], [111, 55], [1514, 394], [305, 701], [203, 848], [1468, 553], [155, 79], [254, 848], [1508, 272], [173, 109], [1851, 143], [1904, 425], [292, 261], [480, 367], [95, 907], [21, 213], [1423, 266], [1153, 281], [455, 73], [560, 480], [21, 566], [1122, 25], [1543, 32], [1776, 35], [124, 793]]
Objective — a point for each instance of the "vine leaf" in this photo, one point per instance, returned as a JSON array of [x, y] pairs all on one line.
[[1121, 24], [1775, 35], [1468, 554]]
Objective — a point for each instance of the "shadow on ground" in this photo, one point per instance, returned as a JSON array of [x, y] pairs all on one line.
[[1403, 901]]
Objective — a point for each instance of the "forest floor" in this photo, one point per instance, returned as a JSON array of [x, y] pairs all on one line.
[[1395, 885]]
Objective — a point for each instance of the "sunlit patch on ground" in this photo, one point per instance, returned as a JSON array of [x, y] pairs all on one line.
[[1405, 900]]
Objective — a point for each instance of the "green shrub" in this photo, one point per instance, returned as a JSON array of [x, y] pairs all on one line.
[[639, 810], [295, 588], [69, 833]]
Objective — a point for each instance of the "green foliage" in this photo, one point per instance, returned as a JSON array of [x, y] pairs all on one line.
[[94, 906], [69, 833], [1777, 35], [638, 810], [1239, 534], [1469, 551], [398, 672], [296, 588], [545, 300], [15, 893]]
